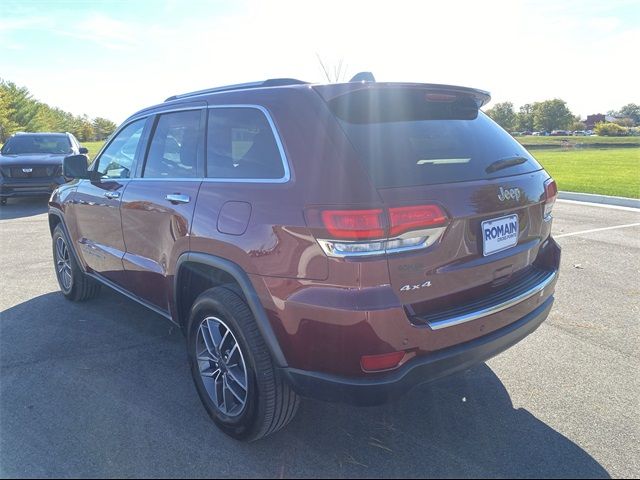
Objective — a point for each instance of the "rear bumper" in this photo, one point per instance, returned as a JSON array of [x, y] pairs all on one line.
[[328, 329], [29, 187], [423, 369]]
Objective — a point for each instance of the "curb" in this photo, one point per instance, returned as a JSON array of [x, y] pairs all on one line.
[[601, 199]]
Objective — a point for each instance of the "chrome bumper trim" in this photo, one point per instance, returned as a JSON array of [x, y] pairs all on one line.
[[468, 317]]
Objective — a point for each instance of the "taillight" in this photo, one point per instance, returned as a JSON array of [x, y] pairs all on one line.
[[354, 224], [404, 219], [377, 231], [551, 193]]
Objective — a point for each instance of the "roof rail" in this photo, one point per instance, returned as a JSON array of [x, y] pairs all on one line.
[[272, 82]]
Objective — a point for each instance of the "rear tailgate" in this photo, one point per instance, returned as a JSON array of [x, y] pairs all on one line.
[[451, 270], [429, 145]]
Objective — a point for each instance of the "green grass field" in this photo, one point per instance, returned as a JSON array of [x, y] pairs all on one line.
[[609, 171], [94, 148], [533, 142]]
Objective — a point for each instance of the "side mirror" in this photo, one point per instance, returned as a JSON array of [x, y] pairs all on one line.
[[75, 166], [84, 151]]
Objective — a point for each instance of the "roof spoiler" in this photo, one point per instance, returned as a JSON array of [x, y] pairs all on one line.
[[399, 102], [334, 90]]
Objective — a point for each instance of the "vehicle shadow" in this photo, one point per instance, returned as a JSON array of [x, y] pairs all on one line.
[[103, 389], [23, 207]]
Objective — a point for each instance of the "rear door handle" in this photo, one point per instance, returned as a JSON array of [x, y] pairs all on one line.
[[112, 195], [176, 198]]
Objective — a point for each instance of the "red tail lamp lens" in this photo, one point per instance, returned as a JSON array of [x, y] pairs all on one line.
[[551, 190], [404, 219], [354, 224], [377, 363], [551, 193], [371, 224]]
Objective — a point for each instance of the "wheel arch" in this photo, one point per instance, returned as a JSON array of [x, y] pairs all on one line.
[[56, 217], [54, 220], [225, 271]]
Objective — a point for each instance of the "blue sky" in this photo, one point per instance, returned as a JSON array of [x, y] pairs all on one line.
[[111, 58]]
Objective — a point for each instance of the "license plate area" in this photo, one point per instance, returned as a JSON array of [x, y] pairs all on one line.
[[499, 234]]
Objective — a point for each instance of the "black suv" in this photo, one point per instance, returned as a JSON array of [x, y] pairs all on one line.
[[31, 163]]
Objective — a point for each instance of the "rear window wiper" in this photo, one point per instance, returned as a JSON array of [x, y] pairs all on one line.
[[505, 163]]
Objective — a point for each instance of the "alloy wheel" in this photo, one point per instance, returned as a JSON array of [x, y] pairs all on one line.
[[63, 263], [222, 366]]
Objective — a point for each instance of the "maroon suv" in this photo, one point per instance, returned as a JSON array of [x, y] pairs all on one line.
[[345, 242]]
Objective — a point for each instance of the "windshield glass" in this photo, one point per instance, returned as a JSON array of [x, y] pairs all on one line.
[[21, 144]]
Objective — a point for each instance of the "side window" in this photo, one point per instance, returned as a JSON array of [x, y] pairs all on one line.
[[174, 147], [240, 144], [117, 160]]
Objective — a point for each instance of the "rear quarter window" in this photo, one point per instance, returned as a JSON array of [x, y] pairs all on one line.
[[241, 145]]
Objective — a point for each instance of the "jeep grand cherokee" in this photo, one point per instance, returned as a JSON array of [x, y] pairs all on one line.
[[343, 242]]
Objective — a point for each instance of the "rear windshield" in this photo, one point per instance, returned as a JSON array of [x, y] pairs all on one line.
[[37, 144], [431, 145]]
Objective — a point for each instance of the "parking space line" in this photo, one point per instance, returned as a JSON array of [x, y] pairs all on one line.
[[599, 205], [597, 230]]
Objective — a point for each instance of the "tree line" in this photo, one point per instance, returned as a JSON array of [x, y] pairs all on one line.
[[20, 112], [553, 115]]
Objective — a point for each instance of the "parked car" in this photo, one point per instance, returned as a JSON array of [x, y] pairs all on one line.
[[560, 133], [526, 132], [342, 242], [31, 163]]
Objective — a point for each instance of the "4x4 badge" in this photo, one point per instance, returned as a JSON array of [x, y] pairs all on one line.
[[406, 288]]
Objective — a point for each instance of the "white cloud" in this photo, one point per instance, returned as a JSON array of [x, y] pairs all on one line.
[[104, 31], [14, 24], [604, 24]]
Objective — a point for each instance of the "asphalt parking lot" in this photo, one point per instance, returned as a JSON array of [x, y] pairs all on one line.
[[103, 389]]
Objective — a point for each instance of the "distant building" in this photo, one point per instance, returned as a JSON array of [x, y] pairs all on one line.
[[591, 120]]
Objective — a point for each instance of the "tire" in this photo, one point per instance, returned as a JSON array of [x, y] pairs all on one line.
[[269, 403], [74, 284]]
